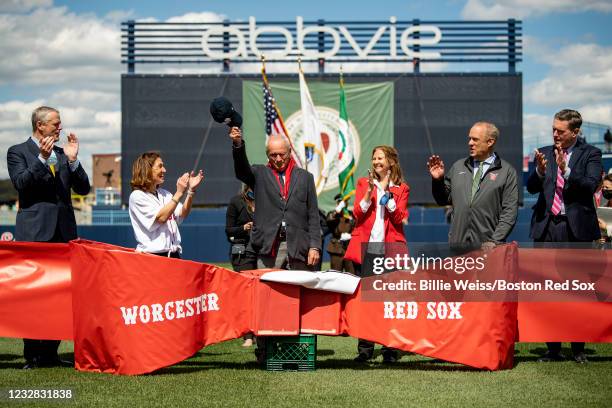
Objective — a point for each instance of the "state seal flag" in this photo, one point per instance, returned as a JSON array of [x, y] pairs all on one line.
[[314, 154]]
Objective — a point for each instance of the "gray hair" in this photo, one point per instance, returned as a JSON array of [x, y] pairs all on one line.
[[283, 138], [491, 130], [41, 114]]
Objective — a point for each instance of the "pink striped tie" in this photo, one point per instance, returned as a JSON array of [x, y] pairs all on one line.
[[558, 200]]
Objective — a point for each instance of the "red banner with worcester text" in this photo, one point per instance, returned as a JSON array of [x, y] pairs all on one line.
[[134, 313]]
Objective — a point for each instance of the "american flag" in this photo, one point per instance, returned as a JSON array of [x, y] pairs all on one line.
[[274, 120], [274, 124]]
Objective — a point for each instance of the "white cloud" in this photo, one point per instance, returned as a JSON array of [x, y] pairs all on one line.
[[22, 6], [536, 131], [504, 9], [205, 17], [580, 75], [75, 49], [597, 113]]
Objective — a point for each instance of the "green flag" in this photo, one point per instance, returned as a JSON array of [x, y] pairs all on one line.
[[346, 156]]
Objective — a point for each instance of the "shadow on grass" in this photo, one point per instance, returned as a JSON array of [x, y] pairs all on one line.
[[208, 353], [10, 357], [566, 351], [16, 365], [425, 365], [187, 367], [538, 352]]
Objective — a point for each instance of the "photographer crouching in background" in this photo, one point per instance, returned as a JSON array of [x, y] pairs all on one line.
[[340, 222]]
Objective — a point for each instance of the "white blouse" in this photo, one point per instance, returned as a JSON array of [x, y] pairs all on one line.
[[378, 229], [154, 236]]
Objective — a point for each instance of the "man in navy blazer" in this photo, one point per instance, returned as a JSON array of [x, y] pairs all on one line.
[[566, 177], [44, 175]]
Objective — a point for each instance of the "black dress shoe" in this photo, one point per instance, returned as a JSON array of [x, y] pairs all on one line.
[[580, 358], [361, 358], [389, 358], [548, 357], [58, 362]]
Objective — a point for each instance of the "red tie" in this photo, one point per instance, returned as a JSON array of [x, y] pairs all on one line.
[[558, 200]]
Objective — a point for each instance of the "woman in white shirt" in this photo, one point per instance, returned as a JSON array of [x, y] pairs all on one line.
[[155, 213]]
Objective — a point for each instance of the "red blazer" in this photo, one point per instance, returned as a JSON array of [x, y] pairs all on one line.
[[394, 228]]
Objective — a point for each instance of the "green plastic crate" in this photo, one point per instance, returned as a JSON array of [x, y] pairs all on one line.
[[291, 353]]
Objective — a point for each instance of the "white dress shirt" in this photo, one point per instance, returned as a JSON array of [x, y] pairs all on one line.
[[153, 236]]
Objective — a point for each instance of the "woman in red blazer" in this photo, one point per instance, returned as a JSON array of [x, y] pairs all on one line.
[[381, 206]]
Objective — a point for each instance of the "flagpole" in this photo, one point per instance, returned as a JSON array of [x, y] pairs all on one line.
[[300, 72], [278, 113]]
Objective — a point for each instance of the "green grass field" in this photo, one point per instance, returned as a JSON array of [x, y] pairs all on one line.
[[226, 375]]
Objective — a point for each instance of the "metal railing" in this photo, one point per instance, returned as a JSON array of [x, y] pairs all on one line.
[[110, 217], [415, 41]]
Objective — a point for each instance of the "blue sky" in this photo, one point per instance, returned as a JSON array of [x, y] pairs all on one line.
[[66, 53]]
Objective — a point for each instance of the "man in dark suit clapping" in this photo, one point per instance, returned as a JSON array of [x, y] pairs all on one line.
[[566, 177], [286, 232], [43, 175]]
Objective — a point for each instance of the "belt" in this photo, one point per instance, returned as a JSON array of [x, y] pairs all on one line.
[[174, 254]]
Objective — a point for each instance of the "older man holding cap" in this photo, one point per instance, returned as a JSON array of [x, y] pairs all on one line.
[[286, 231]]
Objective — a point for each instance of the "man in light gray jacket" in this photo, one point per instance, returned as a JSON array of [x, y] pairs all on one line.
[[481, 188]]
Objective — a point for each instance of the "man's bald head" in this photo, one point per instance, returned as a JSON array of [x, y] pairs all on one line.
[[278, 151]]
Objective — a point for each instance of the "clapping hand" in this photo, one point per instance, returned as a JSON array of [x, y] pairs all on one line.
[[195, 180], [540, 161], [182, 183], [560, 158], [71, 147], [370, 182], [384, 182], [46, 146], [435, 165]]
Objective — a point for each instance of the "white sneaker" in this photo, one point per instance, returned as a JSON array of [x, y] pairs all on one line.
[[247, 343]]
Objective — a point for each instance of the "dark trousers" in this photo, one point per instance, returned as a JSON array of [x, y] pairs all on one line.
[[366, 347], [244, 262], [558, 230], [42, 352]]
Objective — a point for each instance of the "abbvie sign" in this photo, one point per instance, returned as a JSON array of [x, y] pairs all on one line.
[[243, 42]]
